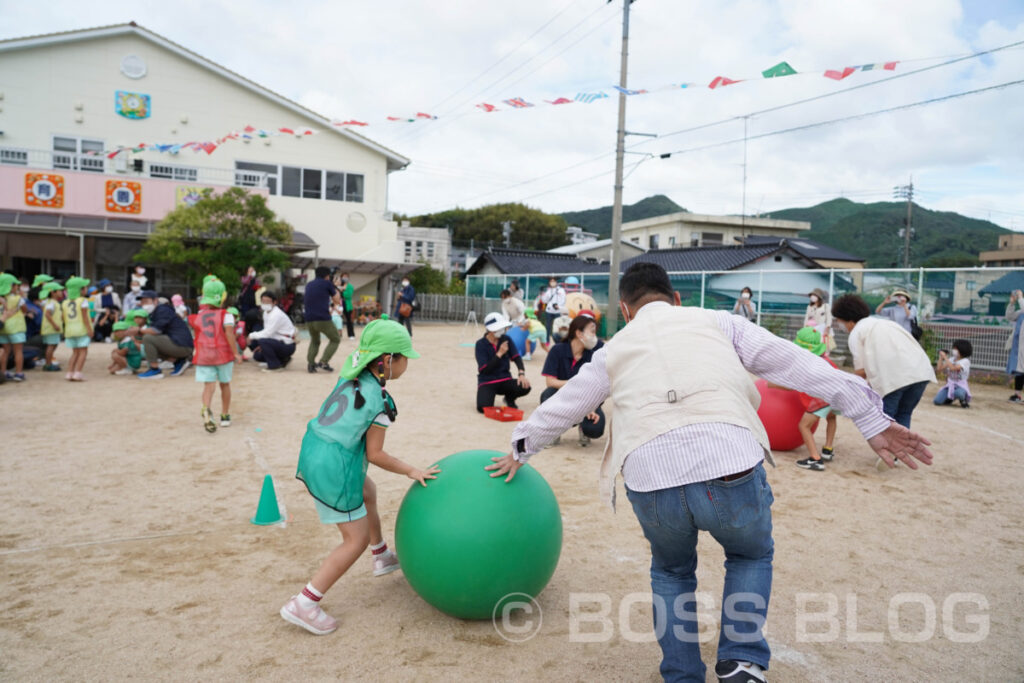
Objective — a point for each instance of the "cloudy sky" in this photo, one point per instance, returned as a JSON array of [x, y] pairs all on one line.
[[368, 60]]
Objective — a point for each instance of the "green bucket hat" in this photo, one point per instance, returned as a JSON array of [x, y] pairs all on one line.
[[75, 285], [137, 313], [213, 291], [530, 313], [122, 325], [379, 337], [810, 339], [42, 279], [49, 288], [6, 282]]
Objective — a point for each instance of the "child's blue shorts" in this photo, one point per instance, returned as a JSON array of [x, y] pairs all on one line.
[[329, 515], [215, 373]]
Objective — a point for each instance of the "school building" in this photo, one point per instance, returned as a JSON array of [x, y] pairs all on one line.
[[70, 203]]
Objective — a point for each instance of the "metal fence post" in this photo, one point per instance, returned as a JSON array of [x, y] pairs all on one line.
[[702, 289], [831, 285], [920, 290], [760, 295]]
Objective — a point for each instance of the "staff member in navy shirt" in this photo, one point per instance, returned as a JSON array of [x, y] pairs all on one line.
[[494, 351], [165, 336], [565, 360], [406, 296], [317, 299]]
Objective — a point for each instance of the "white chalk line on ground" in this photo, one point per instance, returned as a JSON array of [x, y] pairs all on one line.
[[984, 429], [261, 462]]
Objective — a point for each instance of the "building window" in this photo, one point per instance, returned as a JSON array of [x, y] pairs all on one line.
[[408, 251], [694, 239], [635, 240], [173, 172], [653, 242], [971, 285], [353, 187], [312, 183], [334, 187], [291, 181], [712, 239], [252, 175], [672, 240], [78, 154], [430, 251], [18, 157]]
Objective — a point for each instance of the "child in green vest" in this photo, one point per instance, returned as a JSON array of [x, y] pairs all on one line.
[[52, 324], [12, 335], [126, 359], [346, 435], [77, 326]]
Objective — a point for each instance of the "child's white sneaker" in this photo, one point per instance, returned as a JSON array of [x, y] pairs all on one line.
[[385, 563], [124, 371], [314, 619], [527, 357]]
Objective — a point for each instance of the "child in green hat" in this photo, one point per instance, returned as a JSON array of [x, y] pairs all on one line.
[[216, 351], [13, 307], [77, 326], [346, 435], [52, 324], [815, 408], [125, 358]]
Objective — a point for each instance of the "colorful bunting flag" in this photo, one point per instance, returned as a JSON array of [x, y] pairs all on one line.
[[487, 107], [721, 81], [560, 100], [518, 103], [780, 69], [626, 91], [351, 122], [839, 75], [588, 97], [421, 115], [249, 129], [888, 66], [289, 131]]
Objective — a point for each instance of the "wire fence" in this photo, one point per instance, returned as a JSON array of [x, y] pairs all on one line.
[[954, 303]]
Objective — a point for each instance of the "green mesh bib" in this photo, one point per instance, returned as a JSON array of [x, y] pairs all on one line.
[[332, 462]]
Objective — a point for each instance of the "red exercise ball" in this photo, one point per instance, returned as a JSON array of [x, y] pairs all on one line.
[[780, 413]]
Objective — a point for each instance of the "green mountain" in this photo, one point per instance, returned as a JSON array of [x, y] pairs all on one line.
[[600, 220], [941, 239]]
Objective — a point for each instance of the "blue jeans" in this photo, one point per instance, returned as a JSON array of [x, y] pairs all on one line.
[[738, 515], [900, 404], [943, 395]]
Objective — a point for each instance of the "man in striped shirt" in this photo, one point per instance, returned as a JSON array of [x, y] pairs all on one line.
[[690, 449]]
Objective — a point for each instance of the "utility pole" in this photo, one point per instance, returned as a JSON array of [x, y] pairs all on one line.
[[620, 139], [506, 233], [906, 192], [743, 212]]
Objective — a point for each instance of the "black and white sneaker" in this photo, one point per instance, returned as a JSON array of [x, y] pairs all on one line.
[[827, 454], [810, 464], [739, 672], [324, 366]]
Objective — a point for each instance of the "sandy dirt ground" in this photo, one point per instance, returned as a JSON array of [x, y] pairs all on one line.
[[126, 549]]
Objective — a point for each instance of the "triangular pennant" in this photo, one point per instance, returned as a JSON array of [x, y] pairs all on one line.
[[487, 107], [780, 69], [560, 100], [839, 75], [721, 81]]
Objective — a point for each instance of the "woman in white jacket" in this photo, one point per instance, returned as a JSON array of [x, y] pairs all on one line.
[[274, 345]]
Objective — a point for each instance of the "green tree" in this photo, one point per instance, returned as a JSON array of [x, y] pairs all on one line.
[[531, 229], [221, 234], [427, 280]]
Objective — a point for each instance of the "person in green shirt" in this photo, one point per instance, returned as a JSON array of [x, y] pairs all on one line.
[[346, 298]]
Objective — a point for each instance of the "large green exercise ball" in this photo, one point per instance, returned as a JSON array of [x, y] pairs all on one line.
[[467, 540]]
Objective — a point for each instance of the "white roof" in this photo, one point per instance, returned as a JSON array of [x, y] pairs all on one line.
[[587, 246], [395, 161]]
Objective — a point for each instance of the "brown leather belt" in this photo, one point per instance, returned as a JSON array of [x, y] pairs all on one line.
[[730, 477]]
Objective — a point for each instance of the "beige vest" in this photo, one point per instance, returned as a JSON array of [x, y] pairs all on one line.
[[668, 368]]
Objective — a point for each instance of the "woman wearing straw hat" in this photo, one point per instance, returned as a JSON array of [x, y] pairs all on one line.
[[819, 316], [902, 313]]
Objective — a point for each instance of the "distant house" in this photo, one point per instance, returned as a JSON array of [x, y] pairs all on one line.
[[998, 291], [685, 229], [729, 271], [531, 268], [578, 235], [427, 245], [822, 254], [1009, 253], [599, 251]]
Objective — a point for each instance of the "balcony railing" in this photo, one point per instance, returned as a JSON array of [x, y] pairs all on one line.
[[125, 165]]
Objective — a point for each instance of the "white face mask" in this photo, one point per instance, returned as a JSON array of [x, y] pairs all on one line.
[[136, 288], [108, 290], [814, 300], [954, 354], [405, 283], [499, 333], [589, 341], [148, 308], [267, 307], [745, 295], [24, 289], [140, 271]]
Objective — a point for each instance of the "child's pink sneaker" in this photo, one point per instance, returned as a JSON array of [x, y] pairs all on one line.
[[314, 619], [385, 563]]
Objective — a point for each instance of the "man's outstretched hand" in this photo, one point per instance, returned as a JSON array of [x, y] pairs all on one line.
[[899, 443]]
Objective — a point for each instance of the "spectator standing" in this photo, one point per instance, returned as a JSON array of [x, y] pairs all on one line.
[[902, 312], [317, 301], [347, 290], [248, 305], [553, 299], [404, 305], [1015, 345], [819, 316], [745, 305]]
